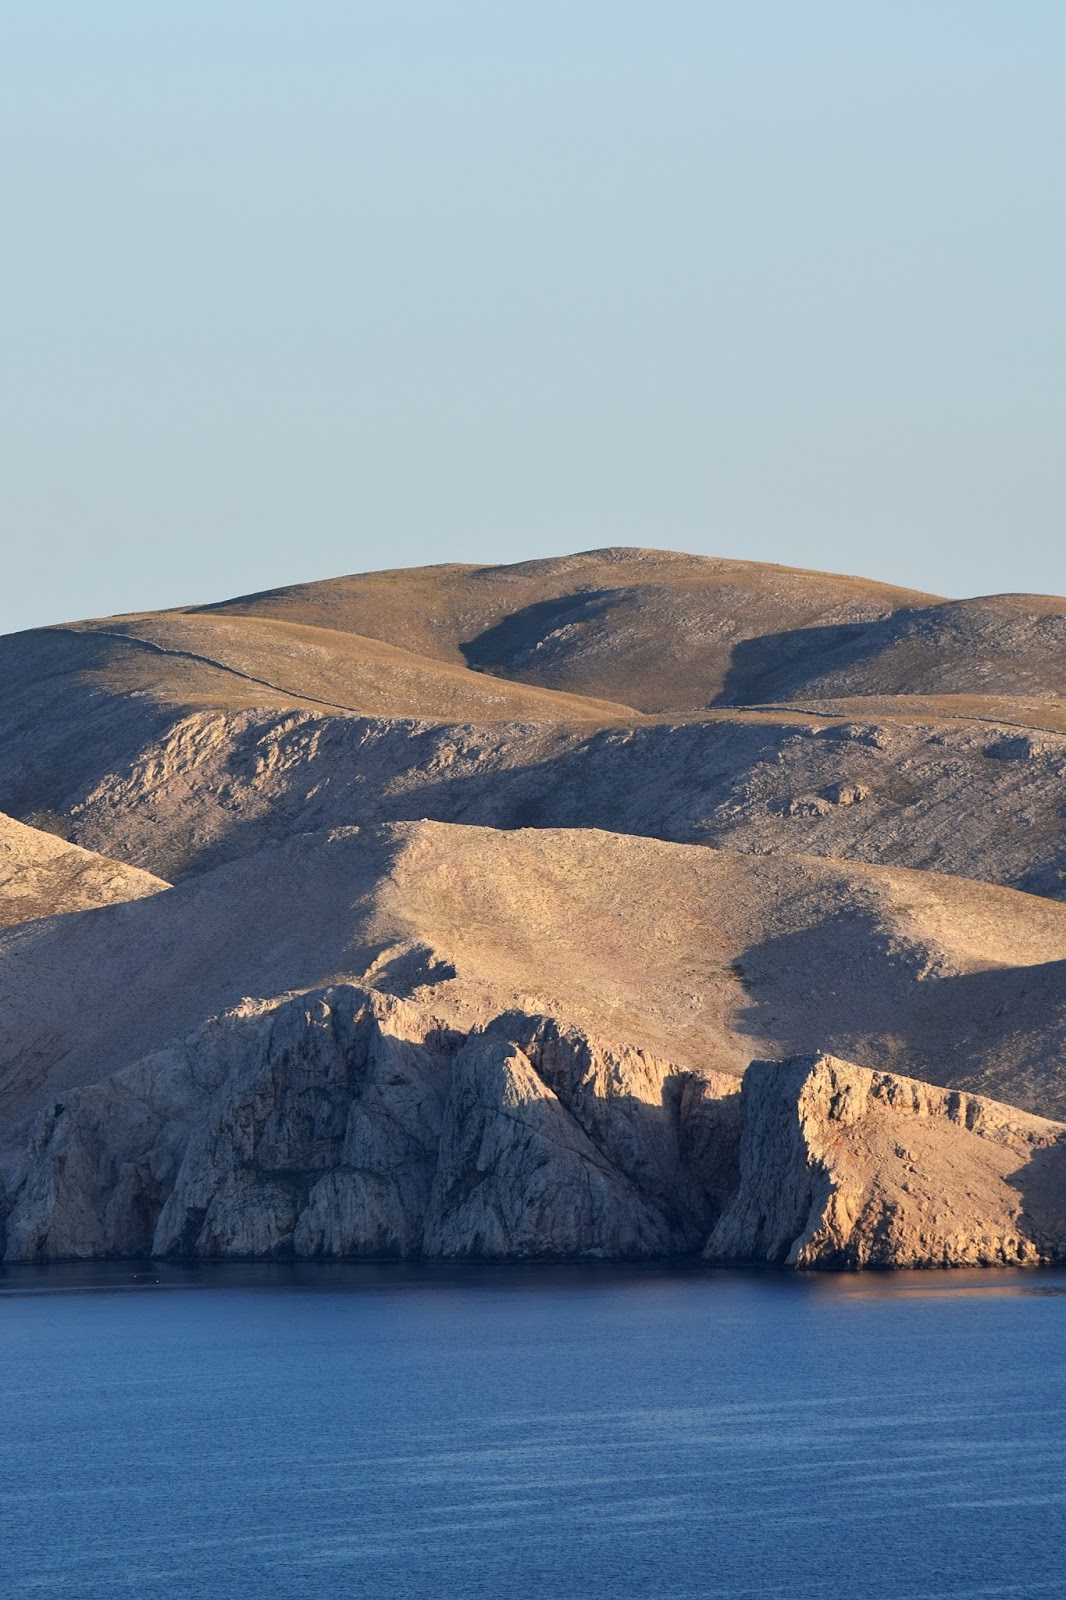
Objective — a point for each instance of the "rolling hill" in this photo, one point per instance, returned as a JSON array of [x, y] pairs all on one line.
[[580, 838]]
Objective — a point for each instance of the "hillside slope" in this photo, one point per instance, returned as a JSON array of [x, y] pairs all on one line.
[[966, 797], [667, 632], [701, 957], [43, 876], [654, 629]]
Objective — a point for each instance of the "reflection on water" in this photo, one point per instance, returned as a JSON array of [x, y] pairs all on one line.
[[532, 1432], [521, 1277]]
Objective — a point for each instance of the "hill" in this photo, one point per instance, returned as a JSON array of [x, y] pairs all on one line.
[[678, 697], [488, 886], [701, 957]]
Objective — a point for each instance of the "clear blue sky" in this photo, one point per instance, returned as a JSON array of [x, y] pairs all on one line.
[[297, 289]]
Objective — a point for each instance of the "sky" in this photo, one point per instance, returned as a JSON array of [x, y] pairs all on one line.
[[295, 289]]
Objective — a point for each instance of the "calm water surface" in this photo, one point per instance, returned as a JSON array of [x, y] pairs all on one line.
[[565, 1433]]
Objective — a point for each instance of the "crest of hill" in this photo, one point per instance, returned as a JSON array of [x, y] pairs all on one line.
[[699, 956], [42, 875], [654, 629], [234, 662], [668, 632]]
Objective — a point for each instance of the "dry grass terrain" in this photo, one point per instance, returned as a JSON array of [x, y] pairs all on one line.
[[684, 812], [703, 957]]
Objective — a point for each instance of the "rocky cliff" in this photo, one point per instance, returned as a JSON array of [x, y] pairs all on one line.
[[350, 1123], [844, 1168]]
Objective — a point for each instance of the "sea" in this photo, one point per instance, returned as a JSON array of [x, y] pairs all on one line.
[[530, 1432]]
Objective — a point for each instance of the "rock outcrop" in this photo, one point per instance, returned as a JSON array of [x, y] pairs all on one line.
[[347, 1123], [915, 790], [843, 1168]]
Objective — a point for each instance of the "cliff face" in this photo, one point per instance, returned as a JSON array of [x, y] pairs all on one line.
[[347, 1123], [350, 1123], [843, 1168]]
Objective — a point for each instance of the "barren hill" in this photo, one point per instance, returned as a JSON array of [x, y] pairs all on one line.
[[457, 1041], [653, 629], [489, 885], [667, 632], [903, 730]]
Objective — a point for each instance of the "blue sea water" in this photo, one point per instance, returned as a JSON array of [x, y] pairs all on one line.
[[530, 1433]]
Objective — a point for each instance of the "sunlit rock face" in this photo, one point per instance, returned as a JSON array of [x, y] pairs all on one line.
[[845, 1168]]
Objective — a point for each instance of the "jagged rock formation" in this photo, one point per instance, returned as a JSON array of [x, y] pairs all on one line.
[[349, 1123], [843, 1168], [42, 875], [488, 885]]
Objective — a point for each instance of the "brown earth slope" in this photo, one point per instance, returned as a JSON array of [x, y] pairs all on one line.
[[702, 957], [654, 629], [42, 875], [668, 632]]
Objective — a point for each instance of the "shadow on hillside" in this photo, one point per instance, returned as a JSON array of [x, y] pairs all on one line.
[[780, 665], [1041, 1183], [841, 987], [58, 719], [515, 642]]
